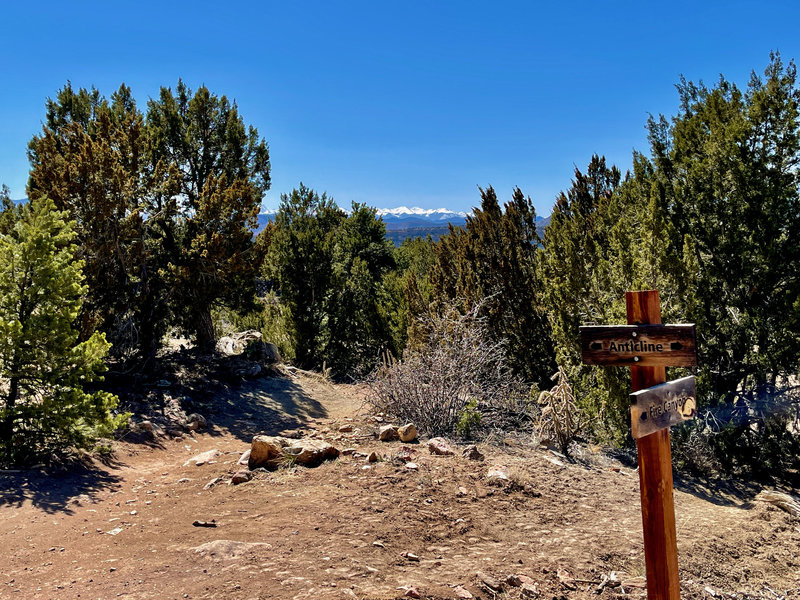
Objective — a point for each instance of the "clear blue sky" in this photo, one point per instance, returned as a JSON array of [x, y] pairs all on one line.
[[392, 103]]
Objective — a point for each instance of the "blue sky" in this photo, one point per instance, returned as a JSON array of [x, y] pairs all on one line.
[[390, 103]]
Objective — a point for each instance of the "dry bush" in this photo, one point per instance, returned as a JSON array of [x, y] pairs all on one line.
[[561, 419], [455, 376]]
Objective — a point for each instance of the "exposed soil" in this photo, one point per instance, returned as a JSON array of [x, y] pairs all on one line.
[[353, 529]]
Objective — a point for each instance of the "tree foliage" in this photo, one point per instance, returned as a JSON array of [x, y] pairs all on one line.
[[492, 261], [165, 205], [44, 368], [727, 165]]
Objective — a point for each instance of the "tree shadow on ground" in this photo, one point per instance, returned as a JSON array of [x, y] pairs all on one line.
[[722, 492], [61, 491], [264, 406]]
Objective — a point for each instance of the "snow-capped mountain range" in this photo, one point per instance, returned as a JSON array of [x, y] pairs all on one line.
[[402, 222]]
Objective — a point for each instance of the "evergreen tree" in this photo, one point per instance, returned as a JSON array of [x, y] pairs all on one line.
[[89, 160], [300, 261], [43, 365], [212, 173], [492, 262], [358, 324], [9, 212], [728, 167]]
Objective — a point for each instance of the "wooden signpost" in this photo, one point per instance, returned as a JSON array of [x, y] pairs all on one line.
[[647, 347]]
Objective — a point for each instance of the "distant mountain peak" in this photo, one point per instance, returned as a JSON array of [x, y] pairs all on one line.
[[416, 211]]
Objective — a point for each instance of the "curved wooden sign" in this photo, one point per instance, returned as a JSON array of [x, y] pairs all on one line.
[[662, 406]]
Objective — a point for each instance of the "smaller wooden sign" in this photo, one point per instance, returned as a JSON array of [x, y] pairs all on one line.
[[639, 345], [662, 406]]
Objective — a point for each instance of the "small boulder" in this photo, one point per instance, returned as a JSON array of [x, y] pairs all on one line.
[[266, 451], [311, 453], [407, 433], [440, 446], [347, 428], [472, 453], [373, 457], [271, 354], [196, 422], [387, 433]]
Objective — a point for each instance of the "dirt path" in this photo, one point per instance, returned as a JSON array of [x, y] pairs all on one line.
[[351, 529]]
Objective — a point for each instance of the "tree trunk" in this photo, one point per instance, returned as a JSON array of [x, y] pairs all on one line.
[[204, 329]]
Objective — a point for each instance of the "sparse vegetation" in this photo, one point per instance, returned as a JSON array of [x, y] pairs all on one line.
[[442, 384]]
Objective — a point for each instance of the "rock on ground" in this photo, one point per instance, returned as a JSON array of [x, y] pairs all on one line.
[[440, 446], [229, 549], [311, 453], [266, 451], [472, 453], [203, 458], [387, 433], [407, 433]]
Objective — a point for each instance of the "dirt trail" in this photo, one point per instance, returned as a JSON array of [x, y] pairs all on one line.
[[350, 529]]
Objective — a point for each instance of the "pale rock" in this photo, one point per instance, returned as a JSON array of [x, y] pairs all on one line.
[[461, 593], [471, 452], [266, 451], [347, 428], [440, 446], [236, 343], [529, 590], [412, 593], [497, 476], [311, 453], [411, 466], [229, 549], [245, 458], [387, 433], [407, 433], [203, 457], [348, 451]]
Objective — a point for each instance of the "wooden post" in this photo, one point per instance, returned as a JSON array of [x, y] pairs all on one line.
[[655, 471]]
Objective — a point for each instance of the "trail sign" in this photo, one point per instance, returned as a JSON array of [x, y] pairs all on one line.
[[638, 345], [647, 347], [662, 406]]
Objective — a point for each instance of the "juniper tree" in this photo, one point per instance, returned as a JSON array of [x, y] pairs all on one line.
[[492, 262]]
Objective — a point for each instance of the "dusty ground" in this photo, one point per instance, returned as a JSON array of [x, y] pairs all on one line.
[[344, 530]]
